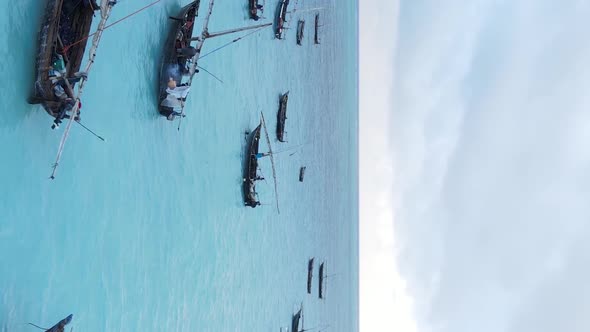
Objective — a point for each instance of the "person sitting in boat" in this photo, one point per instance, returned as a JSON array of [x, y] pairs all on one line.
[[66, 107], [254, 204], [186, 52], [179, 92], [260, 155]]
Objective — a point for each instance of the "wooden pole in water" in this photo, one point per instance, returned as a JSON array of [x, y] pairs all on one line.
[[221, 33]]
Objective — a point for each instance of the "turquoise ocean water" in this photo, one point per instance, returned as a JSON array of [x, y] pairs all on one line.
[[147, 231]]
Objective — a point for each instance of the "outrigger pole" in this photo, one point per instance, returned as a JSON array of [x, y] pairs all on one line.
[[105, 11], [272, 162]]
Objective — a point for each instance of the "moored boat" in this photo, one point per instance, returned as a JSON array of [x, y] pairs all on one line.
[[321, 282], [60, 326], [316, 38], [281, 18], [296, 318], [251, 169], [300, 27], [302, 173], [61, 45], [175, 62], [309, 274], [254, 7], [282, 116]]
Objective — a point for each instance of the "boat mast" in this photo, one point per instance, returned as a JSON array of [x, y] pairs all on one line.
[[272, 162], [226, 32], [105, 11]]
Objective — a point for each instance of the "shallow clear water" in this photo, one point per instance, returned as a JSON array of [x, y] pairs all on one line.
[[147, 230]]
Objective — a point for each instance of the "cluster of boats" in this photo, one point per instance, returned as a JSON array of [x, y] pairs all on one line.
[[281, 20], [253, 154], [297, 318], [321, 279], [251, 175], [64, 36]]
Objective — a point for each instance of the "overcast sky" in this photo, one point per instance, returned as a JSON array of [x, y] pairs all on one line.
[[475, 165]]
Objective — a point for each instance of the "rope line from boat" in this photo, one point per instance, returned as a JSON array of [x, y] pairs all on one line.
[[90, 131], [39, 327], [210, 73], [110, 25]]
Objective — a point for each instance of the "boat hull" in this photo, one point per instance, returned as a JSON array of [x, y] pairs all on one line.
[[281, 18], [309, 275], [64, 27], [251, 167], [282, 116], [301, 173], [59, 327], [300, 27], [174, 64], [316, 39], [253, 9]]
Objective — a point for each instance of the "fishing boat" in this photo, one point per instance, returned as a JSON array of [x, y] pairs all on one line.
[[296, 318], [281, 18], [300, 27], [309, 274], [62, 42], [251, 169], [282, 116], [176, 59], [301, 173], [316, 39], [59, 327], [321, 282], [254, 7], [179, 63]]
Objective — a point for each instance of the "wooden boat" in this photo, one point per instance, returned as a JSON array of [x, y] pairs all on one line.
[[178, 52], [321, 283], [300, 27], [251, 168], [316, 39], [309, 274], [281, 18], [296, 318], [282, 116], [62, 42], [301, 173], [254, 7], [59, 327]]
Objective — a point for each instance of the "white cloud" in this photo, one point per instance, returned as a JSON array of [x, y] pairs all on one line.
[[384, 303], [490, 126]]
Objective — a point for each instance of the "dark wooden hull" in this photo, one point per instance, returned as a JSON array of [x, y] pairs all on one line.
[[295, 321], [173, 65], [321, 282], [59, 327], [65, 23], [309, 275], [253, 8], [300, 27], [301, 173], [251, 168], [281, 18], [316, 39], [282, 116]]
